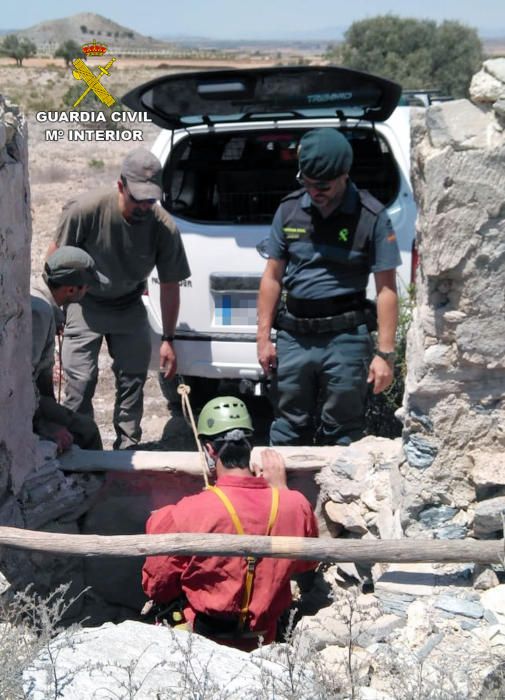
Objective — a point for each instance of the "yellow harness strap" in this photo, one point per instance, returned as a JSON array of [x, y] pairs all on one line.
[[250, 561]]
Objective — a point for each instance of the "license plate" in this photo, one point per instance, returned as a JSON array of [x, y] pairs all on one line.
[[235, 309]]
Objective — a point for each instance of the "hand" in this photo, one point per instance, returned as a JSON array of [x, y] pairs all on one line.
[[273, 468], [63, 438], [168, 360], [380, 374], [267, 356]]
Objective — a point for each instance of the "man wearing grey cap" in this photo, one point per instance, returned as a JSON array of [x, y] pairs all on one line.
[[68, 274], [127, 233], [325, 240]]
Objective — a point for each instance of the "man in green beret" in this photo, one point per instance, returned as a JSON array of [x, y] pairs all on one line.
[[326, 238], [68, 274]]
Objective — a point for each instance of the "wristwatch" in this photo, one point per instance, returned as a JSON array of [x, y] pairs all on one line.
[[167, 338], [388, 356]]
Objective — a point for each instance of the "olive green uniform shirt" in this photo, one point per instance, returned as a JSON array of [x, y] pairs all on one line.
[[125, 252]]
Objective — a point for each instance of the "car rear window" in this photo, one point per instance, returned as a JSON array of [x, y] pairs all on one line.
[[240, 177]]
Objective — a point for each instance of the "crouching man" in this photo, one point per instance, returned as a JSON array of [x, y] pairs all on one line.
[[232, 600], [68, 274]]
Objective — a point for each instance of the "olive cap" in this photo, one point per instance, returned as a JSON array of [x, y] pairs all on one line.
[[72, 266], [142, 171], [324, 154]]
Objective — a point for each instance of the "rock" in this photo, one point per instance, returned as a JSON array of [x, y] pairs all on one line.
[[489, 516], [420, 452], [346, 514], [346, 490], [336, 659], [410, 579], [459, 606], [451, 532], [434, 516], [484, 578], [493, 634], [324, 629], [489, 469], [494, 600], [457, 124], [47, 494], [136, 659], [366, 693], [4, 584], [419, 625], [496, 68], [379, 630], [485, 88]]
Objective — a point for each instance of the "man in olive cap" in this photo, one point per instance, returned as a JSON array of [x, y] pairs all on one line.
[[128, 233], [233, 600], [325, 240], [68, 274]]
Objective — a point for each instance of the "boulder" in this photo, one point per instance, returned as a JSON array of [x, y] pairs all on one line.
[[489, 516]]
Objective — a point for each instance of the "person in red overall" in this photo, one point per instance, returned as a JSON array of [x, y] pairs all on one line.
[[232, 600]]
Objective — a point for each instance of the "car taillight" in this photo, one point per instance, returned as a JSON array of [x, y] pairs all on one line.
[[414, 262]]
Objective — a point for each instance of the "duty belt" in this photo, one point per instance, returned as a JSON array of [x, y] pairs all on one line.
[[322, 308], [338, 323]]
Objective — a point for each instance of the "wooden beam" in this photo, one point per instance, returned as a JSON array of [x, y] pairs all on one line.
[[76, 460], [203, 544]]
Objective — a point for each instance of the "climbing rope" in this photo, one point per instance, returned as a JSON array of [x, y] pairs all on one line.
[[184, 390]]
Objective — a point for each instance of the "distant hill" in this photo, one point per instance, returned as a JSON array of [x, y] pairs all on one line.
[[87, 26]]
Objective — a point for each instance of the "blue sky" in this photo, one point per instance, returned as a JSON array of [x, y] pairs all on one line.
[[237, 19]]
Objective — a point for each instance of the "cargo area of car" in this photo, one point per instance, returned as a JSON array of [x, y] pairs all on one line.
[[241, 176]]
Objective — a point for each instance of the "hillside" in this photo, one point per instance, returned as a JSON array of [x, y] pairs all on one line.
[[85, 27]]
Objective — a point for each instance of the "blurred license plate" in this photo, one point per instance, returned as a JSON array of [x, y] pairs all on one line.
[[235, 309]]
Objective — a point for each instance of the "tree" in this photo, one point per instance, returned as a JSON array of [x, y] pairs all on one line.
[[419, 54], [68, 51], [12, 47]]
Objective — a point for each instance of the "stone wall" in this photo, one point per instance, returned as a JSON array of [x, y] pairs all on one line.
[[454, 426], [16, 393]]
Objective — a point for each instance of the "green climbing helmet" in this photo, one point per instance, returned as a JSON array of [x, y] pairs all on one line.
[[223, 414]]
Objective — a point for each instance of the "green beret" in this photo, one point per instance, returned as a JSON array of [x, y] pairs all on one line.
[[69, 266], [324, 154]]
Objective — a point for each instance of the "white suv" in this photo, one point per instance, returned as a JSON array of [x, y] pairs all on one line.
[[229, 153]]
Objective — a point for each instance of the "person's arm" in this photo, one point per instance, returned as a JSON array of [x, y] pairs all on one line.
[[268, 298], [381, 372], [169, 302], [161, 575]]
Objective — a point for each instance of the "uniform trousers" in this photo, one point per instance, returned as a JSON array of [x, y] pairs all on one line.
[[129, 345], [321, 387]]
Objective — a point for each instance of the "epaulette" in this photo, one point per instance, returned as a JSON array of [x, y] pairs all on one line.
[[370, 202], [294, 195]]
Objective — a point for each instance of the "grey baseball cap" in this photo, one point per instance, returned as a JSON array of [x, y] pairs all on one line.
[[324, 154], [142, 171], [71, 266]]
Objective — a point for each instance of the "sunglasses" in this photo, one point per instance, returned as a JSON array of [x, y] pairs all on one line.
[[320, 186]]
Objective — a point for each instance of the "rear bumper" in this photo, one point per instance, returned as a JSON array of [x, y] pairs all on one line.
[[210, 355]]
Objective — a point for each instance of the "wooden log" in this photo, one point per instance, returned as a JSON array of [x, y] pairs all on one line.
[[76, 460], [322, 549]]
